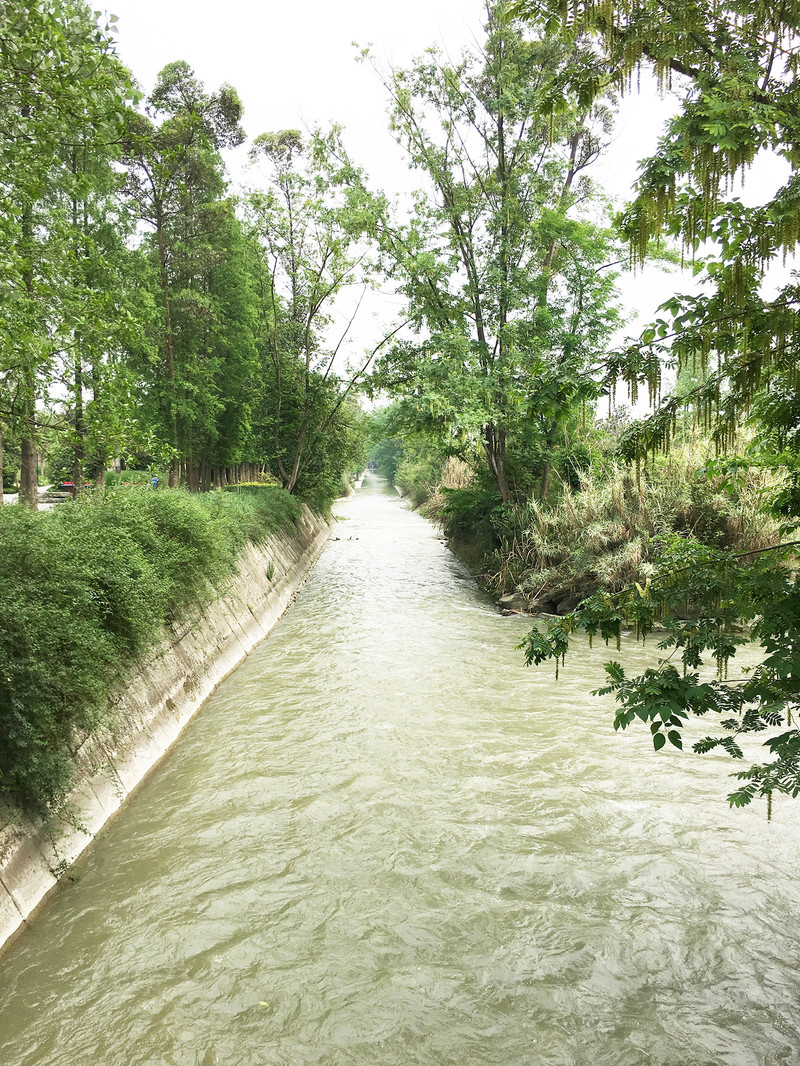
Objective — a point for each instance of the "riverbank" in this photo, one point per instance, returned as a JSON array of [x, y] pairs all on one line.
[[159, 697]]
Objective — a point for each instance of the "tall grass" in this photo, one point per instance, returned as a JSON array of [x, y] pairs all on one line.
[[609, 531], [455, 474]]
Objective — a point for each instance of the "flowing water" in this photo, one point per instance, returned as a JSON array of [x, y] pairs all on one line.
[[384, 841]]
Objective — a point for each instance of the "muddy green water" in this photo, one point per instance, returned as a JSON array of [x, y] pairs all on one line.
[[384, 841]]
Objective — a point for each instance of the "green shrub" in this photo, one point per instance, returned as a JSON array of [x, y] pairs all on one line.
[[127, 477], [418, 476], [86, 590], [473, 514]]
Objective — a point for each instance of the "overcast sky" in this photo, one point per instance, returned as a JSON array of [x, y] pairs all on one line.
[[294, 67]]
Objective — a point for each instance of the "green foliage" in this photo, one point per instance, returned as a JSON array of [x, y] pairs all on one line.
[[385, 442], [506, 264], [387, 454], [11, 459], [737, 76], [310, 228], [252, 512], [611, 528], [60, 462], [86, 590], [476, 515], [418, 474], [194, 391], [701, 599], [736, 68], [59, 79], [422, 465], [337, 451], [126, 478]]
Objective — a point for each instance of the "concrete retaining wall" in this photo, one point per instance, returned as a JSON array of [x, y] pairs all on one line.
[[154, 705]]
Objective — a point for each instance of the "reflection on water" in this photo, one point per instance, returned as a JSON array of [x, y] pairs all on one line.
[[386, 842]]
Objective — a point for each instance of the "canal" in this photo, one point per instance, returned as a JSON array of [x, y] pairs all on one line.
[[385, 842]]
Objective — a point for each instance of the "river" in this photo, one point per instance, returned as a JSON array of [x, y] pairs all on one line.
[[386, 842]]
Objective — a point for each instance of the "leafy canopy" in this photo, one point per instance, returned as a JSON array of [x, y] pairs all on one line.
[[735, 67], [507, 260]]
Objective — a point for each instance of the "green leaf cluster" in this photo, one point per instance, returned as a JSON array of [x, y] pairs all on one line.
[[87, 588], [507, 261], [735, 68]]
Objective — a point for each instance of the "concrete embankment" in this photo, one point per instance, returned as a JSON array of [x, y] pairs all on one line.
[[152, 706]]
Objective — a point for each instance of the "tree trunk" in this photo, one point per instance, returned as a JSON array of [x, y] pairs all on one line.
[[99, 448], [80, 426], [192, 474], [78, 465], [28, 474], [1, 464], [494, 444], [169, 353], [28, 479]]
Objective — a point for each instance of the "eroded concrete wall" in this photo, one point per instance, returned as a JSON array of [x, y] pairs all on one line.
[[152, 707]]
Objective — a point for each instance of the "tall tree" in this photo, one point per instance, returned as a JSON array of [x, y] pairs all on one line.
[[218, 324], [312, 226], [90, 228], [176, 182], [507, 264], [735, 66], [59, 77]]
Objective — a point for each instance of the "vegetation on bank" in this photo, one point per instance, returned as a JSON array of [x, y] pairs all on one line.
[[736, 72], [87, 589], [148, 314], [645, 534], [690, 541], [602, 526]]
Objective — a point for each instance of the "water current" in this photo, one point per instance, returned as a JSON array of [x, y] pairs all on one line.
[[386, 842]]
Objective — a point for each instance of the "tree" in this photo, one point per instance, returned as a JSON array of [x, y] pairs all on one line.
[[312, 226], [176, 183], [224, 438], [59, 77], [736, 70], [506, 263], [102, 306], [736, 66]]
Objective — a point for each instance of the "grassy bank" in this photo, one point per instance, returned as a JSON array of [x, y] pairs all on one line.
[[600, 529], [87, 588], [613, 529]]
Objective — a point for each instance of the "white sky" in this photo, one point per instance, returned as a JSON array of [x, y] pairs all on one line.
[[294, 66]]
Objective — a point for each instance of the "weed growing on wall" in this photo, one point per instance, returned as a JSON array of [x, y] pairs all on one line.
[[86, 589]]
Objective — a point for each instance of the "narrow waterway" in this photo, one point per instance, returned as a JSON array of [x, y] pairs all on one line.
[[385, 842]]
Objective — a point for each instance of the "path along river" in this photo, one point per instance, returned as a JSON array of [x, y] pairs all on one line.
[[384, 841]]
